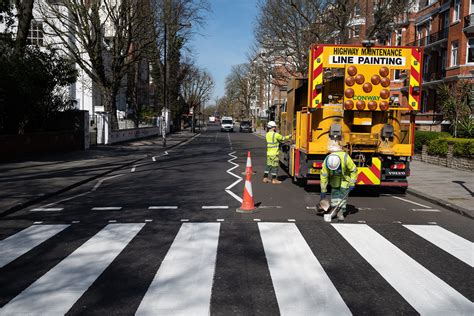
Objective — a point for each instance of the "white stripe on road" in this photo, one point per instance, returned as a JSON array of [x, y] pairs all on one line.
[[453, 244], [300, 283], [107, 208], [154, 157], [47, 209], [56, 291], [211, 207], [405, 200], [427, 293], [25, 240], [162, 207], [183, 283], [99, 183], [425, 210], [229, 171]]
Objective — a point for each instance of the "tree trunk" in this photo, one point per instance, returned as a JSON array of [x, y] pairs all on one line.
[[25, 15], [109, 96]]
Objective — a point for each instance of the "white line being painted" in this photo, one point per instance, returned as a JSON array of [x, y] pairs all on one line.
[[405, 200], [164, 154], [425, 210], [99, 183], [183, 283], [106, 208], [229, 171], [453, 244], [301, 285], [46, 209], [56, 291], [211, 207], [163, 207], [25, 240], [427, 293]]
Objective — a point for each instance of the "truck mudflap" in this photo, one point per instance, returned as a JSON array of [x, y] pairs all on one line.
[[370, 175]]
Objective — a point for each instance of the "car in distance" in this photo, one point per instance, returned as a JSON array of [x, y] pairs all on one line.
[[245, 126], [227, 124]]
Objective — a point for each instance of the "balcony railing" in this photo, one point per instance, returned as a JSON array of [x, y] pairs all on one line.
[[469, 23], [431, 38]]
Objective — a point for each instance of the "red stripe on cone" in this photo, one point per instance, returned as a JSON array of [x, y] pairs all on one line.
[[247, 202]]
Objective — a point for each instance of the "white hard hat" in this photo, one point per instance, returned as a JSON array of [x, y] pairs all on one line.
[[333, 162], [271, 124]]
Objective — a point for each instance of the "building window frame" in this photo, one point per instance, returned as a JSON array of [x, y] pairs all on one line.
[[470, 51], [456, 11], [357, 10], [454, 54], [356, 31], [36, 33]]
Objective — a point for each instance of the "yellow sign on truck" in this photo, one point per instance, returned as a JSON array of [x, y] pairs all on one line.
[[362, 97]]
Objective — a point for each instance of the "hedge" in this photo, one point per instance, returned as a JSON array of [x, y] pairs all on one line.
[[423, 138], [461, 147]]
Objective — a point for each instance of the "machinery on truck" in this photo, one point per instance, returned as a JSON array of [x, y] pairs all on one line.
[[362, 97]]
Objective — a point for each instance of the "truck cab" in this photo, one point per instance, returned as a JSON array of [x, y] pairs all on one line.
[[227, 124]]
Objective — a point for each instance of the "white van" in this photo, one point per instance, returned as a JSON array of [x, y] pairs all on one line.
[[227, 124]]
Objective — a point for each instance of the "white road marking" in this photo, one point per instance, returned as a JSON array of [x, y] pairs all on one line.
[[68, 198], [397, 222], [25, 240], [415, 203], [164, 154], [183, 283], [361, 222], [427, 293], [209, 207], [185, 220], [75, 222], [453, 244], [113, 221], [37, 223], [56, 291], [46, 209], [256, 219], [425, 210], [311, 207], [99, 183], [433, 223], [174, 207], [291, 220], [230, 142], [301, 285], [229, 171], [148, 220], [220, 219], [269, 206], [106, 208]]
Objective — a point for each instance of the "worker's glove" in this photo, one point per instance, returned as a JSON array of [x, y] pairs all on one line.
[[322, 195], [351, 188]]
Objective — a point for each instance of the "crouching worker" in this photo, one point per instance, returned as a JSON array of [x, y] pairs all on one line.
[[273, 149], [340, 172]]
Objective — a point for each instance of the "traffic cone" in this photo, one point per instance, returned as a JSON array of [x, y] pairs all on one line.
[[247, 202]]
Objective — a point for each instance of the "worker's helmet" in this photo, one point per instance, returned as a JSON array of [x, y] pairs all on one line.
[[271, 124], [333, 162]]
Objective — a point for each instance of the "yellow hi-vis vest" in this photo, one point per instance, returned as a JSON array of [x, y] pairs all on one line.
[[344, 177], [273, 142]]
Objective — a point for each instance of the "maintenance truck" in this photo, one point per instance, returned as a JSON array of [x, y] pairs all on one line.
[[363, 97]]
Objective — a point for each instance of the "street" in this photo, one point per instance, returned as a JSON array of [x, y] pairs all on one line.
[[162, 236]]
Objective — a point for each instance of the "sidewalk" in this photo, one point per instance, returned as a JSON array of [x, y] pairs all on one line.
[[449, 188], [30, 181]]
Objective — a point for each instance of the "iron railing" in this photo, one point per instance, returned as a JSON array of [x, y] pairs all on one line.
[[431, 38]]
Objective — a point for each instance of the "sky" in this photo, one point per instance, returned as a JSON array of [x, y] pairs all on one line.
[[226, 39]]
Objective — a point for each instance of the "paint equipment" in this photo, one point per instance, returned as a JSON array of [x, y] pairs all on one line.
[[328, 216]]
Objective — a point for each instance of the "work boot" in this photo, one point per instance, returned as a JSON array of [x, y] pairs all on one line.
[[340, 216], [275, 181], [266, 180]]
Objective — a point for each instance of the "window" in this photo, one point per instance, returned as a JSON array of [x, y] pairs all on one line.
[[356, 10], [35, 35], [356, 31], [454, 53], [470, 51], [471, 8], [397, 74], [457, 10], [398, 37]]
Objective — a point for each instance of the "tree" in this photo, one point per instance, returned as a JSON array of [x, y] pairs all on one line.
[[454, 101], [104, 37], [241, 88], [197, 87], [25, 15]]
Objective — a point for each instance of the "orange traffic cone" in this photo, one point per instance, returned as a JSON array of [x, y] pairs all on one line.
[[247, 202]]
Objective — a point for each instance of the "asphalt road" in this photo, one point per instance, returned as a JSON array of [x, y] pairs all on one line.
[[163, 237]]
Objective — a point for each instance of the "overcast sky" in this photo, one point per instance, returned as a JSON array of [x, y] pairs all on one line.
[[226, 39]]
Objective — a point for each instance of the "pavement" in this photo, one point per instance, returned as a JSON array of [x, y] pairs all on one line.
[[36, 178], [452, 189]]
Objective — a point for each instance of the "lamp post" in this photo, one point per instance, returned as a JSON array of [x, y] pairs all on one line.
[[165, 64]]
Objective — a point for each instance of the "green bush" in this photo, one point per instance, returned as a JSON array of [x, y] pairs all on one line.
[[463, 147], [423, 138], [438, 147]]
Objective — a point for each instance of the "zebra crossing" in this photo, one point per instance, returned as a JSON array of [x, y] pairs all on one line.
[[210, 268]]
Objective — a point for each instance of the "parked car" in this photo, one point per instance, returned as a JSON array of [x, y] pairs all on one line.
[[227, 124], [246, 126]]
